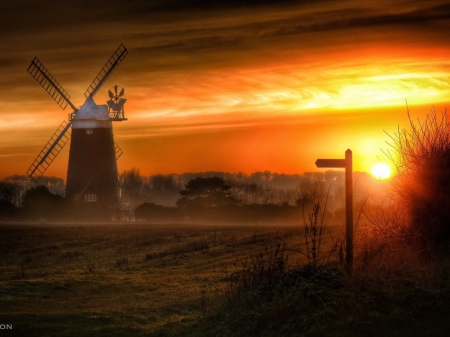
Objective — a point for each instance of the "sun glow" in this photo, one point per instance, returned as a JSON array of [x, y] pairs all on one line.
[[381, 171]]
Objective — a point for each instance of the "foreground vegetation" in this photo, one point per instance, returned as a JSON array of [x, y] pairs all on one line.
[[264, 280], [190, 280], [421, 158]]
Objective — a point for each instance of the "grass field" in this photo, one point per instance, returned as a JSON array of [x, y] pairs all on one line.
[[120, 279], [174, 280]]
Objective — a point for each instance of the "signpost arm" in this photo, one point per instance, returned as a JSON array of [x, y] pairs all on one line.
[[349, 212]]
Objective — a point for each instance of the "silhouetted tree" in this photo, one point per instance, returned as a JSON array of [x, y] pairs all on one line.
[[39, 202], [54, 184], [334, 176], [261, 177], [206, 192], [253, 193], [311, 189], [14, 187], [151, 212], [163, 189], [10, 192], [7, 209], [161, 182], [131, 184]]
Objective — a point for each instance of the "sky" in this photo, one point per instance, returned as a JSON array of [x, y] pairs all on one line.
[[235, 86]]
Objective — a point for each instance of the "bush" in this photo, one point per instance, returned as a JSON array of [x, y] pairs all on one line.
[[40, 203], [7, 209], [421, 157], [157, 213]]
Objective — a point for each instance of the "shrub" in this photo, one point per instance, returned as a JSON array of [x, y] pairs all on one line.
[[421, 158], [39, 202], [156, 213]]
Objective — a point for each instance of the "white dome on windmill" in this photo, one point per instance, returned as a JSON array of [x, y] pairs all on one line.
[[90, 110]]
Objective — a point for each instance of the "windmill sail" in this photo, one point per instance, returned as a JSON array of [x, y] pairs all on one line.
[[50, 84], [107, 70], [118, 151], [49, 152]]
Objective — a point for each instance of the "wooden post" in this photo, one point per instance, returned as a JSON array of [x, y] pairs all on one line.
[[348, 165], [349, 212]]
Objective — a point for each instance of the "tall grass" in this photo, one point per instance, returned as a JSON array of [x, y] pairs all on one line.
[[313, 233], [265, 272], [421, 158]]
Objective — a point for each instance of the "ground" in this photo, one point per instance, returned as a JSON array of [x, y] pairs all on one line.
[[128, 279], [173, 280]]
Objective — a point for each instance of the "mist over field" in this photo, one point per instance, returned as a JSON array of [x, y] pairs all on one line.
[[227, 197]]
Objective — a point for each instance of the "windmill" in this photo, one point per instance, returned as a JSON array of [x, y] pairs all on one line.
[[92, 175]]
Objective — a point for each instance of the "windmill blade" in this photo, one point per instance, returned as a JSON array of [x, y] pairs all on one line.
[[48, 82], [118, 151], [122, 92], [49, 152], [116, 58]]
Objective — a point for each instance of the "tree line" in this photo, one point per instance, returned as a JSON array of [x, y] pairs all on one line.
[[21, 198], [216, 196], [257, 188]]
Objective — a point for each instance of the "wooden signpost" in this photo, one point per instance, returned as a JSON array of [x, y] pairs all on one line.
[[347, 164]]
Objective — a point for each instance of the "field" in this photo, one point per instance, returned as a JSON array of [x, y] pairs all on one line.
[[174, 280], [121, 279]]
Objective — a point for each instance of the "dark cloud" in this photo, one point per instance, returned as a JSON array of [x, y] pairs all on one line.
[[69, 28], [34, 17], [23, 15], [207, 5], [74, 39]]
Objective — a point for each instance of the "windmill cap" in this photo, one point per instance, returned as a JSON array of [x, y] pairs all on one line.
[[90, 110]]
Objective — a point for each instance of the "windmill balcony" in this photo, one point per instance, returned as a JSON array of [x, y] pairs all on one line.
[[117, 115]]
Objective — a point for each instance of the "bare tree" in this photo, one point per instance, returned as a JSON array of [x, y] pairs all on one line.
[[311, 188], [131, 183]]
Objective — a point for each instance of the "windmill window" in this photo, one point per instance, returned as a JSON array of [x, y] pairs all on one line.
[[90, 197], [89, 131]]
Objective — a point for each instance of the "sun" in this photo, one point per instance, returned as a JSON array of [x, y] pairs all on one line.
[[381, 171]]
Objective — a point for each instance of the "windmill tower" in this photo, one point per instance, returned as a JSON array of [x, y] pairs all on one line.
[[92, 175]]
